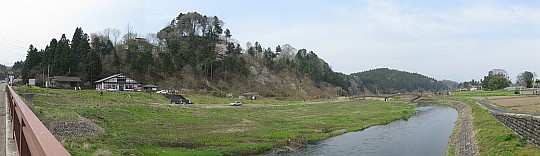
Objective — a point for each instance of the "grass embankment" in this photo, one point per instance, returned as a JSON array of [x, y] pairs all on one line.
[[145, 124], [492, 136]]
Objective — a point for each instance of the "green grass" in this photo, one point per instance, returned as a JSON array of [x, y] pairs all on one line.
[[205, 99], [483, 93], [493, 137], [145, 124]]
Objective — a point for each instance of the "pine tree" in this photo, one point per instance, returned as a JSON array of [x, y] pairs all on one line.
[[32, 60], [92, 65], [63, 59]]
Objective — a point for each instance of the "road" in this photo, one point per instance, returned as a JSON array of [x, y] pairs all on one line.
[[496, 109], [3, 113]]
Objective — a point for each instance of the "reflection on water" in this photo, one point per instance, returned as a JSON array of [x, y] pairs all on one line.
[[425, 133]]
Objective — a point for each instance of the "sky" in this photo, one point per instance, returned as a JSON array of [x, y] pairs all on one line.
[[455, 40]]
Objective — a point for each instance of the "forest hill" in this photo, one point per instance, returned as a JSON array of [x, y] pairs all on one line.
[[194, 51]]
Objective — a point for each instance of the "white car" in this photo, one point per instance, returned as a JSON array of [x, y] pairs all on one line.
[[236, 103], [162, 92], [112, 89]]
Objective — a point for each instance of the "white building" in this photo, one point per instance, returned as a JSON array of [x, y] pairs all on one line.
[[117, 82]]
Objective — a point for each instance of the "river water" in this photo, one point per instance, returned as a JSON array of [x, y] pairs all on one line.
[[425, 133]]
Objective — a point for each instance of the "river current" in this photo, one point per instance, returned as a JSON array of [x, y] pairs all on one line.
[[425, 133]]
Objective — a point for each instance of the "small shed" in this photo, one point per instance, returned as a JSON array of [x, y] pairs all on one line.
[[66, 82], [150, 88]]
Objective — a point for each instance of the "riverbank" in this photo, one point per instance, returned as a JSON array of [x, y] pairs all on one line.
[[462, 141], [424, 133], [146, 124], [492, 137]]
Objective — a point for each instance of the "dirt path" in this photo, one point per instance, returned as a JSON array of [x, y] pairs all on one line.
[[464, 141]]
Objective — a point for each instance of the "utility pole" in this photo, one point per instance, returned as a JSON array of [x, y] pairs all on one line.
[[48, 72]]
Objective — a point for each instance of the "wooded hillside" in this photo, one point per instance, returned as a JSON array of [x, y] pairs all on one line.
[[195, 53], [389, 81]]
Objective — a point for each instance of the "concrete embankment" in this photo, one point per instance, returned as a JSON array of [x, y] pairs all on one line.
[[464, 141], [524, 125]]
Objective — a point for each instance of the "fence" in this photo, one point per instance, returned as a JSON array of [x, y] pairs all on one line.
[[32, 137]]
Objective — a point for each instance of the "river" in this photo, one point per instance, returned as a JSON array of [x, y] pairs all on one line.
[[425, 133]]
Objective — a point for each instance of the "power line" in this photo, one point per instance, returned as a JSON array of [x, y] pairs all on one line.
[[17, 40], [12, 52], [12, 46]]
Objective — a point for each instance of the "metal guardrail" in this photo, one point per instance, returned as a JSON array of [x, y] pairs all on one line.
[[32, 137]]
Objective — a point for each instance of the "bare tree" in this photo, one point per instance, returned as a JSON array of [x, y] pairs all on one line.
[[129, 33], [115, 35], [106, 33], [152, 38]]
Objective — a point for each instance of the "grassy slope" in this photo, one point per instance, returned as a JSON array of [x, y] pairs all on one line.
[[146, 124], [493, 138]]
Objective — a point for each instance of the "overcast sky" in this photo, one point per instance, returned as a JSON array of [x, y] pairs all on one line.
[[455, 40]]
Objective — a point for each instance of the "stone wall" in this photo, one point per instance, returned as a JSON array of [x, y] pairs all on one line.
[[524, 125]]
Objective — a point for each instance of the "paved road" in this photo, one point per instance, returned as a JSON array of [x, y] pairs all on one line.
[[6, 132], [2, 118], [502, 110]]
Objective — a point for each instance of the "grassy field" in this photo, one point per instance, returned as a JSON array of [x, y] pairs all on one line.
[[493, 138], [483, 93], [146, 124]]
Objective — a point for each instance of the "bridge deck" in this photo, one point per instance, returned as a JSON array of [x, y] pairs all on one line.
[[7, 143]]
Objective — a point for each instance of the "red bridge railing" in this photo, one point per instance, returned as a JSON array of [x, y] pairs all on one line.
[[32, 137]]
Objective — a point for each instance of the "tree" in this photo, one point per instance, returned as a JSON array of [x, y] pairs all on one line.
[[92, 65], [63, 63], [278, 50], [228, 33], [499, 72], [496, 79], [79, 49], [115, 35], [18, 65], [32, 60], [100, 47], [526, 79]]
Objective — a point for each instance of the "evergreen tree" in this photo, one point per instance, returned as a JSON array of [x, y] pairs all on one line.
[[278, 50], [93, 66], [228, 33], [80, 48], [50, 53], [63, 59], [32, 60], [116, 59]]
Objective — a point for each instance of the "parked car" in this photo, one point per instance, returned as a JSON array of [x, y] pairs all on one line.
[[236, 103], [163, 92], [184, 101], [112, 89]]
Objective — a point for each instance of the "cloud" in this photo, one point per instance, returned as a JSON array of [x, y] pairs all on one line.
[[457, 40]]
